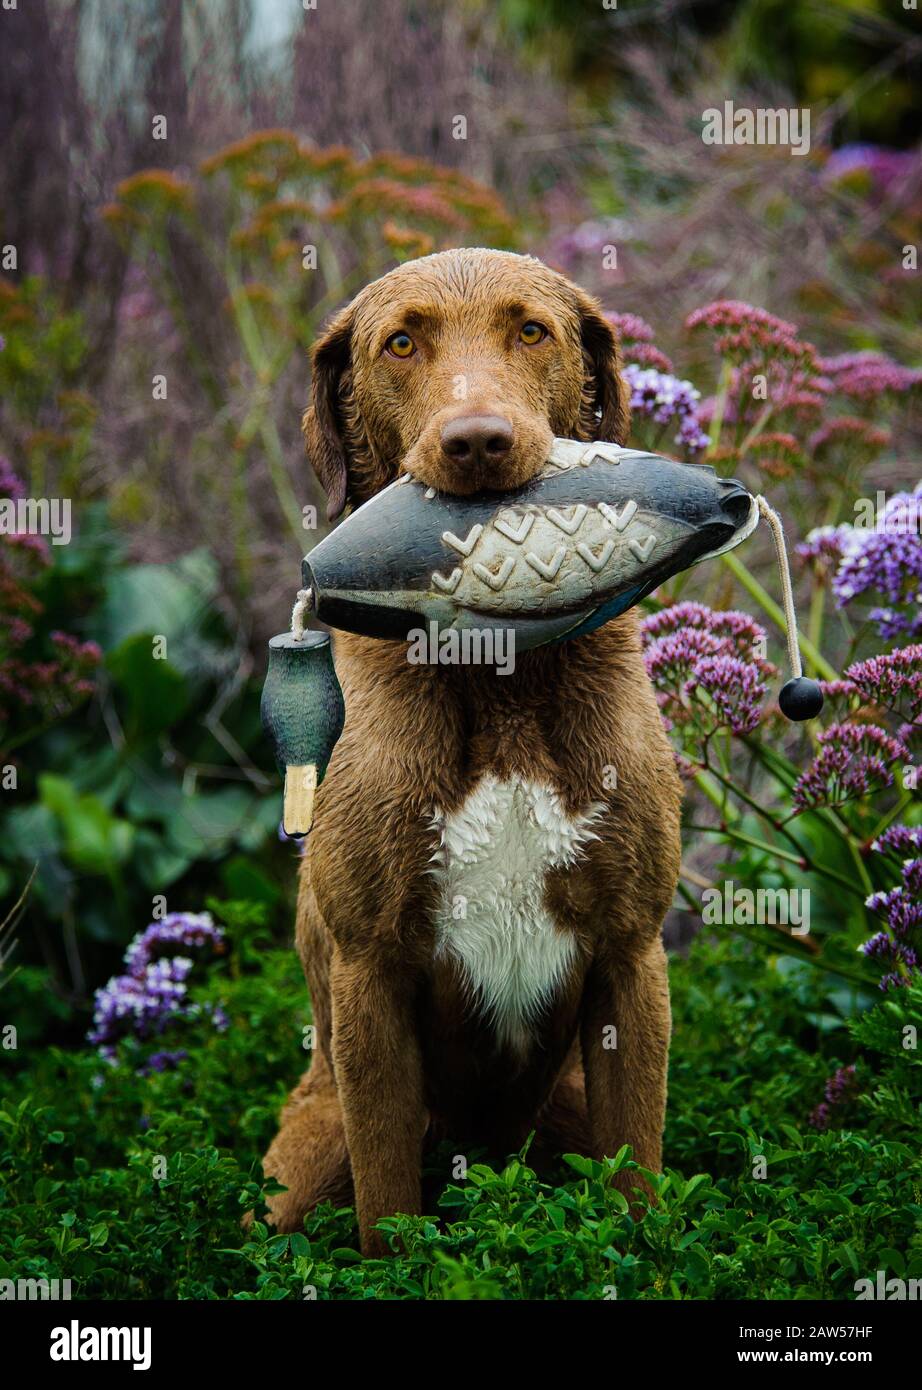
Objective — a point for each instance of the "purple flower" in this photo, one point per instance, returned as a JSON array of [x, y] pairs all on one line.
[[901, 958], [899, 839], [153, 994], [176, 929], [892, 679], [897, 905], [706, 666], [824, 544], [881, 165], [838, 1091], [853, 759], [140, 1005], [838, 690], [886, 560], [912, 877], [672, 657], [739, 634], [734, 687], [664, 398], [162, 1061], [897, 945]]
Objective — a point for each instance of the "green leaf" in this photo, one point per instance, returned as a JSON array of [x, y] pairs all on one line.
[[94, 841], [586, 1167], [892, 1261], [170, 600], [152, 693]]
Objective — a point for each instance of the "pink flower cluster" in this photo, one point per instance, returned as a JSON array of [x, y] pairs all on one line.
[[776, 452], [51, 684], [637, 348], [866, 376], [755, 343], [849, 433], [853, 759], [631, 328], [706, 667], [893, 680], [749, 336]]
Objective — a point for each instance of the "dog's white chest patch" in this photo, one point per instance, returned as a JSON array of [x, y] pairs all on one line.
[[493, 855]]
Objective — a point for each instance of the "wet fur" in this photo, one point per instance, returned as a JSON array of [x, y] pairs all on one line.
[[405, 1055]]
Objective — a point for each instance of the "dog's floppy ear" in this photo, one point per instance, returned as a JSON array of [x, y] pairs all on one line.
[[605, 392], [322, 422]]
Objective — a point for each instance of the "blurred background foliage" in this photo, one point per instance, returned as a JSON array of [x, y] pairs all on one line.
[[817, 52], [306, 152]]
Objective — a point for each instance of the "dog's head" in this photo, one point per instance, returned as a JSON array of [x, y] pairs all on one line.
[[459, 368]]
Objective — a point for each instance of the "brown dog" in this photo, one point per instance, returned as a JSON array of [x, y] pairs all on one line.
[[482, 894]]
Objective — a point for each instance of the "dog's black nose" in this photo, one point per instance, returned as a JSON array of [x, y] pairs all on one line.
[[477, 438]]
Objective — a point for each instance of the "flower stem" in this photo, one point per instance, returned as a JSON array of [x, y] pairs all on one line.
[[798, 859], [780, 828], [720, 406], [905, 800], [803, 953], [774, 611]]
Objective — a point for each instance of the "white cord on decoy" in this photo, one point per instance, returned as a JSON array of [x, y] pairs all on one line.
[[801, 697], [299, 613], [787, 591]]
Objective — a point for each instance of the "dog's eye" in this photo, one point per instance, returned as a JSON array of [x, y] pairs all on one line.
[[400, 345], [531, 333]]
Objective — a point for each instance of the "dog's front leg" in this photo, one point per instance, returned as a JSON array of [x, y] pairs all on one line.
[[625, 1042], [378, 1070]]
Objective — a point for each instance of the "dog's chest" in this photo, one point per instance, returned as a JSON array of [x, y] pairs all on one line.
[[493, 856]]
